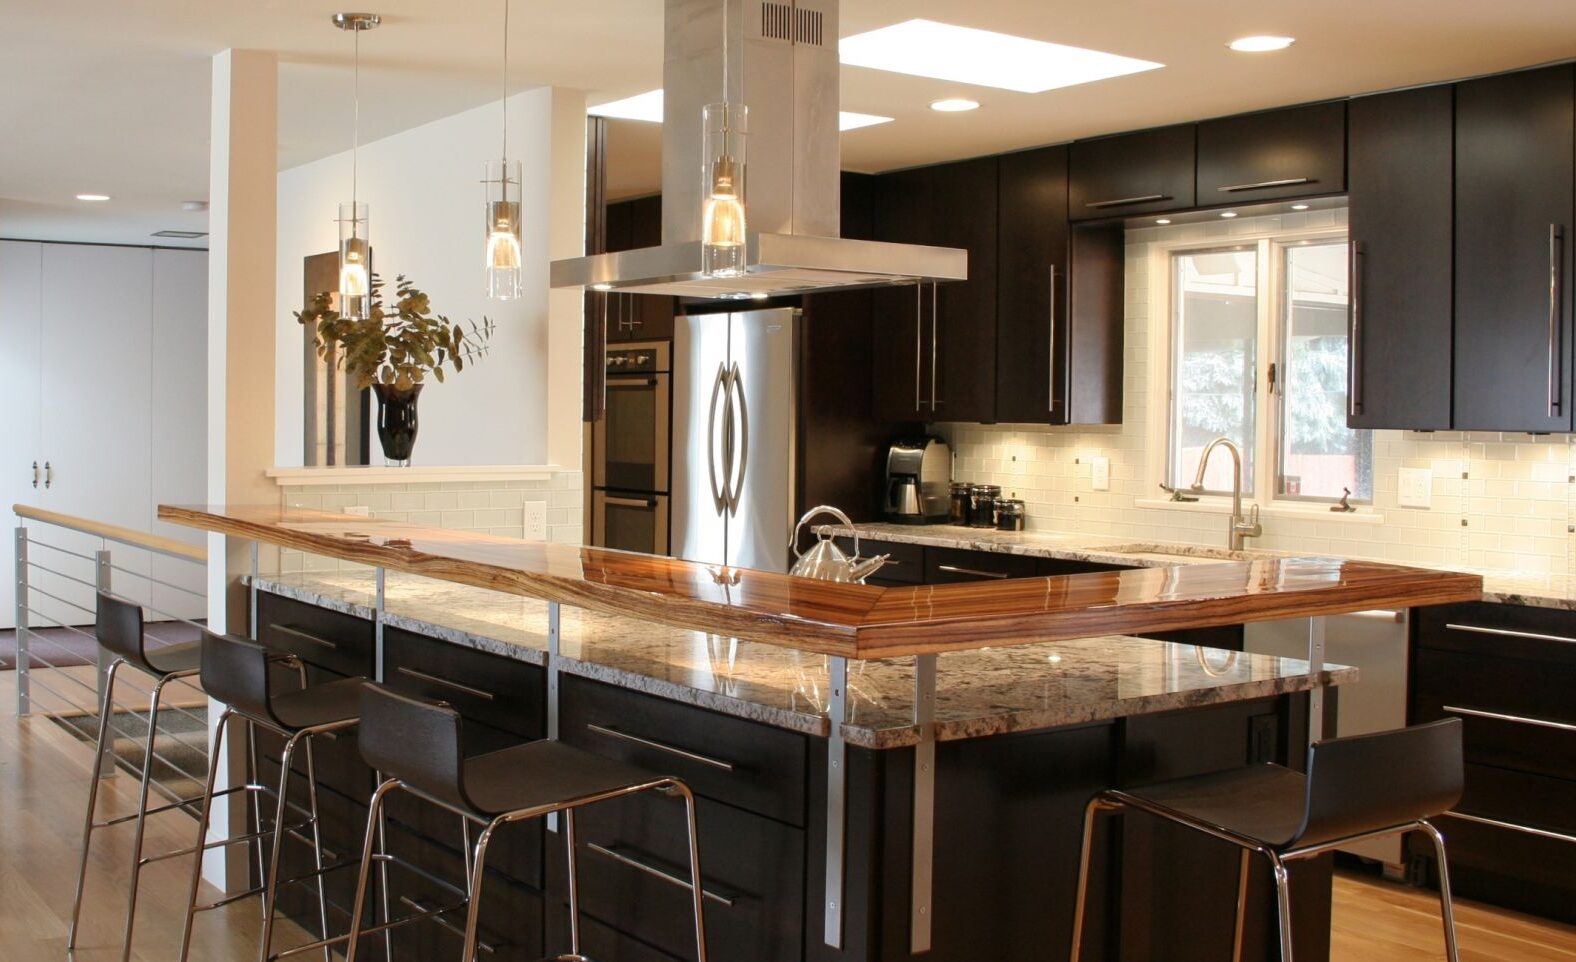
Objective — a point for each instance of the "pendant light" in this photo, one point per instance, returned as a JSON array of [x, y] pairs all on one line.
[[355, 250], [724, 126], [501, 200]]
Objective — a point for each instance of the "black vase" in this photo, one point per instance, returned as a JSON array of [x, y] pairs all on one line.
[[397, 420]]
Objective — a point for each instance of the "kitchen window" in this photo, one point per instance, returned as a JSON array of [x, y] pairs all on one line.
[[1258, 355]]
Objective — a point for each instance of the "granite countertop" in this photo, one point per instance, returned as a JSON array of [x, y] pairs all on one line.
[[1499, 586], [980, 693]]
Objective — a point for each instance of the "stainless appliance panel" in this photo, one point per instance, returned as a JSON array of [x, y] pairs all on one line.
[[630, 443], [700, 365], [763, 361], [630, 521]]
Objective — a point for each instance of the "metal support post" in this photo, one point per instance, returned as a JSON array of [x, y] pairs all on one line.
[[554, 639], [836, 797], [23, 688], [924, 846], [101, 580], [1316, 668], [378, 611], [251, 597]]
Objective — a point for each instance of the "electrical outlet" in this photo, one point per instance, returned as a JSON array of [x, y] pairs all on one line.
[[1100, 473], [1415, 488], [536, 521]]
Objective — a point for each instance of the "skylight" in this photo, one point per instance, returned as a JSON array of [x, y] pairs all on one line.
[[925, 48], [648, 107]]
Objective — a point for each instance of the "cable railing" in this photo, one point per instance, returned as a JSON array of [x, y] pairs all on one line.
[[61, 563]]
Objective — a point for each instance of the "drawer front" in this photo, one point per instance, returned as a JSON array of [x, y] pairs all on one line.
[[1501, 631], [753, 766], [945, 566], [1515, 714], [633, 860], [1519, 802], [501, 692], [905, 567], [1048, 567], [338, 642]]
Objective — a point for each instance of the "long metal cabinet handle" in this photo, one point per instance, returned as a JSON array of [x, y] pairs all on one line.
[[1050, 351], [304, 636], [1287, 182], [654, 872], [1354, 373], [446, 683], [630, 502], [1508, 633], [1119, 201], [954, 569], [660, 746], [935, 337], [742, 419], [633, 381], [711, 438], [919, 352], [1512, 826], [1518, 719], [1556, 259]]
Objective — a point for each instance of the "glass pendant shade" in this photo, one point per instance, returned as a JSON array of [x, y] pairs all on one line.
[[722, 189], [355, 262], [501, 185]]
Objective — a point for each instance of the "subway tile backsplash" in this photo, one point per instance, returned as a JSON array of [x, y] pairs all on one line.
[[1499, 501]]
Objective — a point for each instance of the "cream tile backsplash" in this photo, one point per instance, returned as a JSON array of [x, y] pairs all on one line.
[[1499, 501]]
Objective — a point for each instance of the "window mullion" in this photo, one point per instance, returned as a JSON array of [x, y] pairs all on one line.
[[1266, 412]]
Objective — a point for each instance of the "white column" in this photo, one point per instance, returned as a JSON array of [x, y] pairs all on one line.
[[242, 216], [566, 238]]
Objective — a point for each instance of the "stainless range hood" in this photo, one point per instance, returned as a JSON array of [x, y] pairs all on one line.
[[784, 67]]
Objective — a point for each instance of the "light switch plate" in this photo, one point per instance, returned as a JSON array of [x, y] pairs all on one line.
[[1415, 488], [536, 521], [1100, 473]]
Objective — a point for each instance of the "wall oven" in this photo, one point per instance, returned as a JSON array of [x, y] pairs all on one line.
[[630, 521], [630, 450]]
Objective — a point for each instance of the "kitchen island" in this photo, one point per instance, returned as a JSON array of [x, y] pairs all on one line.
[[885, 773]]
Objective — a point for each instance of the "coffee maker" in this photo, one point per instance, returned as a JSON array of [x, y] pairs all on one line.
[[918, 472]]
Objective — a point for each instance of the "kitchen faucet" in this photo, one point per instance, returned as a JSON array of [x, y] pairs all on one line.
[[1240, 527]]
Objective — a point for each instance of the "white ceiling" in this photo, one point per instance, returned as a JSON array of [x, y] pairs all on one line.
[[112, 96]]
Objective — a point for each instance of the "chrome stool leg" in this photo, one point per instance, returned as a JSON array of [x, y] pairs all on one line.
[[473, 911], [106, 707], [214, 761], [1446, 910], [254, 777], [373, 840], [142, 809], [697, 892], [317, 849], [1080, 900], [1244, 868], [1283, 904], [574, 883], [282, 812]]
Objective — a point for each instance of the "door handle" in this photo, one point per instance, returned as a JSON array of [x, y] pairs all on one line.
[[49, 475], [919, 351], [1556, 263], [1287, 182], [1354, 363], [1120, 201], [971, 572], [935, 338], [742, 420], [647, 503], [641, 865], [35, 474], [632, 381], [711, 439], [1050, 351]]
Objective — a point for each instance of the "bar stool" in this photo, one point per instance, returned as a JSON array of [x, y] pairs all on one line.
[[417, 744], [238, 673], [1358, 787], [119, 630]]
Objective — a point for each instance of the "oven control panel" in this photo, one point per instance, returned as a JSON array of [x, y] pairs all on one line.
[[638, 358]]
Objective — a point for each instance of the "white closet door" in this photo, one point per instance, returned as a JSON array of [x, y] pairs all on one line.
[[96, 397], [20, 266], [179, 416]]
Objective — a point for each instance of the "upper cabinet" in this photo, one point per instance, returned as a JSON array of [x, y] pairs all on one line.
[[633, 224], [1137, 173], [1402, 155], [1272, 155], [1514, 206]]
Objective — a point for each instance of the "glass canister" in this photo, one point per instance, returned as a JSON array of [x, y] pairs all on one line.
[[982, 505], [1009, 514], [958, 504]]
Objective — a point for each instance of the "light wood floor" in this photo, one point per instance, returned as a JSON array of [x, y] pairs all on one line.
[[43, 774]]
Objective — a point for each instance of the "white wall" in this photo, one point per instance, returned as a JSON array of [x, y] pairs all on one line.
[[425, 199]]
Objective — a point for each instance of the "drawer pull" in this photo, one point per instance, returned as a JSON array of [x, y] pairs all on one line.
[[298, 633], [657, 873], [446, 683], [1507, 633], [1512, 826], [1519, 719], [660, 746], [1288, 182], [972, 572], [1121, 201]]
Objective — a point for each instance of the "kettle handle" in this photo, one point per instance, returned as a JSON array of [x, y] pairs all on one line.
[[793, 541]]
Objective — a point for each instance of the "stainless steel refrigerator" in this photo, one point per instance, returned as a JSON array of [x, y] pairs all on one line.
[[733, 437]]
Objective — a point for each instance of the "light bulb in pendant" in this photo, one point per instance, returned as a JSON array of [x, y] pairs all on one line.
[[501, 204], [355, 262], [723, 217]]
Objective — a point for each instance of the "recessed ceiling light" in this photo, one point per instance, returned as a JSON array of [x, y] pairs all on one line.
[[1162, 221], [942, 51], [1299, 206], [601, 287], [93, 198], [647, 107], [1260, 44], [848, 120], [954, 105], [1228, 213]]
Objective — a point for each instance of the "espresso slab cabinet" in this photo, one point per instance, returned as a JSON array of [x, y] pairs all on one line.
[[1272, 155], [1145, 172], [937, 346], [1401, 155], [633, 224], [1513, 208]]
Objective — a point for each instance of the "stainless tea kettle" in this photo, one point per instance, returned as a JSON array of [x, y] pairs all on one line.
[[825, 560]]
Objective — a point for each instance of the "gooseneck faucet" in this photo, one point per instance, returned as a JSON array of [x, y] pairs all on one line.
[[1241, 527]]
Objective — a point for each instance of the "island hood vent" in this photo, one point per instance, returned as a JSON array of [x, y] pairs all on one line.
[[785, 69]]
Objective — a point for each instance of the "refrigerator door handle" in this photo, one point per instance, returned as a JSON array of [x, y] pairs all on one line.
[[717, 491], [737, 467]]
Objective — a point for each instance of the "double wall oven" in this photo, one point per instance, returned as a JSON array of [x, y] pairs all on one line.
[[630, 470]]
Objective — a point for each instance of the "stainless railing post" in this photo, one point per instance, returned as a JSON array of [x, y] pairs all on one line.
[[101, 580], [23, 692], [554, 640]]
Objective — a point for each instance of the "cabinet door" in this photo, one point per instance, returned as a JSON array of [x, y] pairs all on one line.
[[1138, 173], [1032, 288], [1275, 154], [1513, 251], [20, 268], [900, 332], [633, 224], [1402, 152], [179, 428]]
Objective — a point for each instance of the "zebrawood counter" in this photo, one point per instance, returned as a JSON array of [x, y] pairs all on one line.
[[851, 621]]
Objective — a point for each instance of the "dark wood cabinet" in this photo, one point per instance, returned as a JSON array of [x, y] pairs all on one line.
[[1139, 173], [937, 345], [633, 224], [1402, 150], [1272, 155], [1513, 213]]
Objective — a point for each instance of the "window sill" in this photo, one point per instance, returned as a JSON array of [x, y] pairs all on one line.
[[1279, 509]]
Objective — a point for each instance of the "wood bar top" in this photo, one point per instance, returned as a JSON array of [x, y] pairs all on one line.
[[853, 621]]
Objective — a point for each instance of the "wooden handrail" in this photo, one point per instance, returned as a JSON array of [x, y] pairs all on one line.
[[113, 532]]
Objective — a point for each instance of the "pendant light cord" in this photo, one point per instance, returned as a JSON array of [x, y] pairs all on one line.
[[355, 123], [506, 95]]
